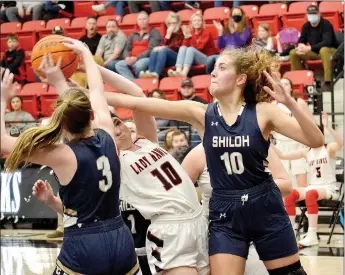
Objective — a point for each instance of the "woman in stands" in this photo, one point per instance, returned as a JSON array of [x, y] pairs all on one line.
[[246, 203], [264, 39], [197, 45], [298, 168], [195, 166], [322, 180], [87, 166]]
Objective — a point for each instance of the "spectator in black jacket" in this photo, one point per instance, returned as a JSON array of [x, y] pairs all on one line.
[[4, 6], [14, 56], [319, 34], [92, 37], [51, 9]]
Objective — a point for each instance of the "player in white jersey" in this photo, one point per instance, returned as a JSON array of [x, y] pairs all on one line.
[[298, 167], [155, 184], [322, 181], [195, 166]]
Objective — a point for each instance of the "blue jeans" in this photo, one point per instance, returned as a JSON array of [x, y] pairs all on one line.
[[211, 60], [220, 3], [123, 69], [119, 6], [111, 65], [187, 56], [161, 59], [165, 6]]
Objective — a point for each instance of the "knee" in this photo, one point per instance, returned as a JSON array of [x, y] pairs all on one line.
[[292, 198], [311, 196], [324, 51], [120, 65], [293, 53]]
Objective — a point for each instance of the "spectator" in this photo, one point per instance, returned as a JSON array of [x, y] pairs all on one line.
[[180, 145], [58, 30], [197, 45], [52, 9], [188, 93], [167, 145], [136, 6], [236, 35], [4, 6], [139, 46], [111, 45], [25, 8], [119, 7], [18, 120], [14, 56], [319, 34], [264, 39], [166, 54], [92, 37]]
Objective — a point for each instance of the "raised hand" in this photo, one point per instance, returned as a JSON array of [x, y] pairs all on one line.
[[52, 71], [75, 45], [43, 191], [8, 89], [278, 92], [219, 27]]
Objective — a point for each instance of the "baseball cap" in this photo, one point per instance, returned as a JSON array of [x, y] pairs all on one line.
[[312, 9], [187, 82]]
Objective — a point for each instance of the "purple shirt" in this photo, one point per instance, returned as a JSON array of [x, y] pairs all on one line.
[[234, 40]]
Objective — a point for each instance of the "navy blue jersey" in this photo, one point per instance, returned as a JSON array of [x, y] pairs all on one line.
[[93, 193], [236, 155]]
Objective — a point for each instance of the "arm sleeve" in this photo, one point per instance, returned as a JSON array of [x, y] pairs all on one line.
[[221, 42], [303, 37], [17, 61], [327, 33], [101, 44], [128, 48]]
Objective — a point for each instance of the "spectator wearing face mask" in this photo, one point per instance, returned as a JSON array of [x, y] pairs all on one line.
[[317, 41]]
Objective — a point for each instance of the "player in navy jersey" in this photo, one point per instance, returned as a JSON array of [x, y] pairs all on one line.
[[87, 166], [246, 204]]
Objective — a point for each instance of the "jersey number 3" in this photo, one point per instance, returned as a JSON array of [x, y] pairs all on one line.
[[104, 166], [233, 163], [170, 172]]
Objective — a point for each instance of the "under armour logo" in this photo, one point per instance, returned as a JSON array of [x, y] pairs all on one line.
[[244, 198], [222, 215], [214, 123]]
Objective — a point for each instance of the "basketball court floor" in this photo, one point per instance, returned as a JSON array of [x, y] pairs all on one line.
[[28, 252]]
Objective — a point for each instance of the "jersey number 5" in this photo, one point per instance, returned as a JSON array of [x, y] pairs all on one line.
[[318, 172], [170, 172], [104, 166], [233, 163]]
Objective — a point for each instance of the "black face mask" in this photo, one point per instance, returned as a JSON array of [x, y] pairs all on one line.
[[237, 18]]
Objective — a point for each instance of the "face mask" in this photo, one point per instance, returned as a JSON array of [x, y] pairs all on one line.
[[313, 18], [237, 18]]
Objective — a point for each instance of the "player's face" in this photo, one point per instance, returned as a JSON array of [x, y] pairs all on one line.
[[123, 137], [91, 26], [143, 21], [16, 104], [223, 78], [286, 85], [179, 141], [133, 129]]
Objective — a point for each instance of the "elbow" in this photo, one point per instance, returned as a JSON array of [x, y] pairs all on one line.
[[318, 141]]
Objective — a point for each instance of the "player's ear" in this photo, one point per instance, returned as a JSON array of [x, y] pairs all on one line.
[[92, 115]]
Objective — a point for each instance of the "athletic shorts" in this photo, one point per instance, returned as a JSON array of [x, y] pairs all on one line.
[[102, 248], [178, 241], [258, 215], [331, 189]]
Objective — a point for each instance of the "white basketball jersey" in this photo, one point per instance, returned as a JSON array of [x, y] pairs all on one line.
[[320, 167], [155, 183], [204, 183]]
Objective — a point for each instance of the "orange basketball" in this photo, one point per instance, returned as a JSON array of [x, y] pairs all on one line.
[[52, 44]]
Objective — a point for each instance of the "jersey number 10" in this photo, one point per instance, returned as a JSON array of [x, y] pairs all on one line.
[[171, 174], [233, 163]]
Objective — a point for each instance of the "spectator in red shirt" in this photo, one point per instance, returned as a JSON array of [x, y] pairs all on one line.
[[166, 54], [197, 45]]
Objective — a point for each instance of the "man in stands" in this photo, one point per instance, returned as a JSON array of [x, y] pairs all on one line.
[[319, 34], [180, 145], [111, 45], [139, 46], [92, 37], [188, 93]]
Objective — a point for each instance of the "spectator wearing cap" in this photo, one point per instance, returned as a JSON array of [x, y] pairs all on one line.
[[188, 93], [319, 34]]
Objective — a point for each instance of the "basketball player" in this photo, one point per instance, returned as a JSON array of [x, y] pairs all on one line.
[[153, 182], [299, 167], [96, 239], [322, 181], [246, 205], [195, 166]]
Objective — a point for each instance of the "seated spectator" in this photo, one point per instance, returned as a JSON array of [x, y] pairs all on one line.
[[168, 139], [137, 6], [180, 145], [264, 40], [319, 34], [188, 93], [92, 37], [198, 44], [14, 57], [236, 35], [51, 9], [58, 30], [23, 9], [111, 45], [17, 121], [119, 7], [166, 54], [4, 6], [287, 40], [139, 46]]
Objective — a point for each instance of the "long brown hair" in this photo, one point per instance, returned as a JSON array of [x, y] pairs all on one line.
[[242, 25], [72, 113], [253, 64]]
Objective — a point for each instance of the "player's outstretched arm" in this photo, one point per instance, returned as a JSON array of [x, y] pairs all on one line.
[[194, 163], [146, 124], [337, 144], [298, 154], [184, 110]]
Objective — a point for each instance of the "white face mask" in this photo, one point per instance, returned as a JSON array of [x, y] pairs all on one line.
[[313, 18]]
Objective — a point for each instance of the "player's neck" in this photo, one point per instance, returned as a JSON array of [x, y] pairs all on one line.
[[230, 105]]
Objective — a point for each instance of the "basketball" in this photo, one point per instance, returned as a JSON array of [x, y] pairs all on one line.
[[52, 44]]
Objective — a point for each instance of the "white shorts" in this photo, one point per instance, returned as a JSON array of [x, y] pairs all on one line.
[[178, 241], [331, 189]]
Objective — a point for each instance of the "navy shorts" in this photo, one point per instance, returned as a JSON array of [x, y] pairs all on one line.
[[104, 247], [258, 214]]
